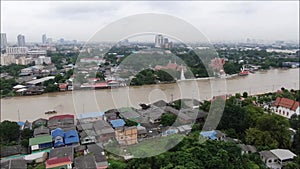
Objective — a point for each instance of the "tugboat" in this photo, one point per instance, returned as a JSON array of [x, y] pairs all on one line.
[[51, 112], [244, 72]]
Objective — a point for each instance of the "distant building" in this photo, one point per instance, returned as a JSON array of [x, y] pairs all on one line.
[[7, 59], [162, 42], [21, 40], [159, 40], [285, 107], [44, 39], [17, 50], [23, 60], [42, 60], [3, 40]]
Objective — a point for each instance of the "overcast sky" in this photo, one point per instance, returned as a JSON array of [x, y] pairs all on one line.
[[219, 21]]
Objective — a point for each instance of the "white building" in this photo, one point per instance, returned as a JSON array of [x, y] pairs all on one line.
[[3, 40], [285, 107], [7, 59], [91, 60], [42, 59], [23, 60], [21, 40], [17, 50], [277, 158], [36, 53]]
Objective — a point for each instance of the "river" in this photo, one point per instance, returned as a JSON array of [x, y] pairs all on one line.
[[77, 102]]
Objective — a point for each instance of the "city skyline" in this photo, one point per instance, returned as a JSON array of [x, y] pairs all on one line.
[[219, 21]]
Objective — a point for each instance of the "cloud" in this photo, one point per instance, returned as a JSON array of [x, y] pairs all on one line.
[[222, 20]]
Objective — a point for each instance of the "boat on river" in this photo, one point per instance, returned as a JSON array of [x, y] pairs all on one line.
[[51, 112]]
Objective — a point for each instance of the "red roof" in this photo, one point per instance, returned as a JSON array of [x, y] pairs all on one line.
[[287, 103], [101, 84], [55, 162], [63, 86], [62, 117]]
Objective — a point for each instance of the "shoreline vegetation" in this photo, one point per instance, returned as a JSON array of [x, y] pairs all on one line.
[[133, 85]]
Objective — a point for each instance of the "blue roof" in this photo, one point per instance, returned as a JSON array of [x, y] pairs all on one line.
[[71, 137], [209, 134], [57, 132], [89, 115], [117, 123], [20, 123]]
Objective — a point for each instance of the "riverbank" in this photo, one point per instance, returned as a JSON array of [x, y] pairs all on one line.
[[31, 107]]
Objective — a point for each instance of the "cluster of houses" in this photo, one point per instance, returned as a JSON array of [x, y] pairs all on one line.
[[274, 159], [66, 141]]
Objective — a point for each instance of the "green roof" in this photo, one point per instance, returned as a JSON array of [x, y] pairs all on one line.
[[40, 140]]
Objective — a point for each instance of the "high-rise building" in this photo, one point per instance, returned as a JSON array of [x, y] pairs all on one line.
[[159, 41], [3, 40], [21, 40], [44, 39]]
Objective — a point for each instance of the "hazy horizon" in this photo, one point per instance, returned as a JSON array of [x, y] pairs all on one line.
[[218, 21]]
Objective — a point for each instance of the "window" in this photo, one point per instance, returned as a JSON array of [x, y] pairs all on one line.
[[270, 161], [283, 112], [275, 160], [287, 113]]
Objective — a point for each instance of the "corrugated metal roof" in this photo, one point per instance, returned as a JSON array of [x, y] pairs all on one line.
[[40, 140], [117, 123]]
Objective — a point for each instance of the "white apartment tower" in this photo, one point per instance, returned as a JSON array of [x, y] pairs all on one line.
[[21, 40], [3, 40]]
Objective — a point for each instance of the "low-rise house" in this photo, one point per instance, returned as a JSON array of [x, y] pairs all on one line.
[[213, 135], [71, 137], [184, 129], [130, 114], [87, 161], [100, 158], [117, 123], [277, 158], [39, 122], [58, 137], [80, 149], [285, 107], [65, 122], [90, 117], [152, 114], [111, 115], [126, 135], [37, 157], [10, 150], [59, 163], [41, 142], [247, 149], [14, 164], [142, 132], [103, 131], [88, 137], [62, 152], [169, 131], [41, 131]]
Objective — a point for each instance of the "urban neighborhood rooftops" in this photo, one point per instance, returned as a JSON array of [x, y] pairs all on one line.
[[117, 123]]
